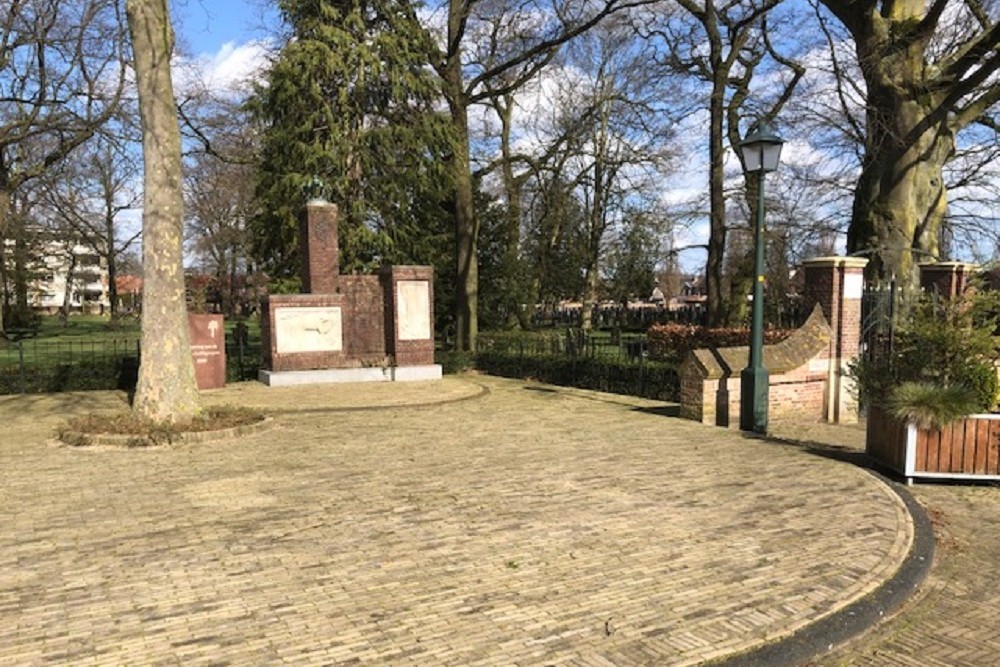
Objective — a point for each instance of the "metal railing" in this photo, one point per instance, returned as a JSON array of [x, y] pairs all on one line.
[[42, 366]]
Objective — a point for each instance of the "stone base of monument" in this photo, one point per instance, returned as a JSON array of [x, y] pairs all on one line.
[[416, 373], [333, 375]]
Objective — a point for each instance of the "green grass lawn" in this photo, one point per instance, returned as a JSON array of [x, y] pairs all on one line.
[[86, 327], [100, 327]]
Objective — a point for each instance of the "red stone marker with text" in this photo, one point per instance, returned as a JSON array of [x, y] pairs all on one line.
[[208, 348]]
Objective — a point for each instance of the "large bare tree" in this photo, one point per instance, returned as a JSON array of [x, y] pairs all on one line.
[[166, 391], [724, 45], [465, 83], [62, 73], [86, 196], [930, 71]]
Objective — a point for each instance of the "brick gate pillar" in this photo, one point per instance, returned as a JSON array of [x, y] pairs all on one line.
[[949, 279], [837, 285]]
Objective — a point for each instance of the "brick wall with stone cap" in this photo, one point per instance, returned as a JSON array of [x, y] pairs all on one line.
[[949, 279], [798, 365]]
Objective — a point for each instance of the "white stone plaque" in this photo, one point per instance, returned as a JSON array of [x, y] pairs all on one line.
[[413, 309], [308, 329], [854, 285]]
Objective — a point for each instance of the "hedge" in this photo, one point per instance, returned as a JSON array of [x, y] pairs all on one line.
[[82, 375], [655, 380]]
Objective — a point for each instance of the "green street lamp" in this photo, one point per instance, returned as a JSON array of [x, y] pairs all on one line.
[[761, 150]]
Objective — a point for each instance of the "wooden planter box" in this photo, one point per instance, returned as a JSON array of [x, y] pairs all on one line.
[[966, 449]]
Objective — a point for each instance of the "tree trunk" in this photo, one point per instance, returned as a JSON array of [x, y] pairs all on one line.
[[113, 285], [112, 260], [514, 276], [4, 216], [20, 316], [68, 289], [741, 261], [166, 390], [900, 201], [466, 225], [596, 231], [913, 111], [715, 302]]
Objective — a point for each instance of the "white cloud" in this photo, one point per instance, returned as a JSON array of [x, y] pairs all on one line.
[[228, 70]]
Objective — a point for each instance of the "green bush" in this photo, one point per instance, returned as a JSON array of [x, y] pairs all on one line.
[[82, 375], [103, 372], [942, 364], [454, 361], [982, 381], [654, 380], [931, 406]]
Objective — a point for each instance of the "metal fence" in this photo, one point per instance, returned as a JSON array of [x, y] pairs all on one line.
[[571, 342], [579, 359], [879, 303], [31, 366], [785, 313]]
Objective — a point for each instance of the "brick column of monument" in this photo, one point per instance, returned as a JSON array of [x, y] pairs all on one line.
[[837, 285], [948, 279], [318, 248], [409, 311]]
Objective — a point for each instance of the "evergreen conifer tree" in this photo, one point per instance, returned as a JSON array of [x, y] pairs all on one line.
[[348, 108]]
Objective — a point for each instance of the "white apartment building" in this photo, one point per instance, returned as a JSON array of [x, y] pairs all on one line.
[[81, 267]]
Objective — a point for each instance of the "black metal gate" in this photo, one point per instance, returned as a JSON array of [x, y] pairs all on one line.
[[879, 305]]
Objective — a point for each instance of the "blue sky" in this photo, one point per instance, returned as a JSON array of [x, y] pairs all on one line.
[[205, 26]]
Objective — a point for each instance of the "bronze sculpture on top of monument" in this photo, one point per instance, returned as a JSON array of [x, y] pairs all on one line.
[[350, 328]]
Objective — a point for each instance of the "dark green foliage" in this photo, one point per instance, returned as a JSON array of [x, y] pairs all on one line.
[[557, 244], [575, 359], [947, 346], [633, 262], [93, 365], [348, 112], [496, 277], [647, 379], [454, 361], [82, 375]]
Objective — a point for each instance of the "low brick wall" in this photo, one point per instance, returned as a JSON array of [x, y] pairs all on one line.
[[799, 369]]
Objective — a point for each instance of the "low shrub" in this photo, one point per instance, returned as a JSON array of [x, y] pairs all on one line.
[[931, 406], [942, 363], [454, 361], [82, 375], [655, 380]]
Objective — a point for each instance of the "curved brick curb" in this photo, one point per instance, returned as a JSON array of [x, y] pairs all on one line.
[[858, 617], [76, 439]]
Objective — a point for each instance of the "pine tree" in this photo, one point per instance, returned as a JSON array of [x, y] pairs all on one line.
[[349, 106]]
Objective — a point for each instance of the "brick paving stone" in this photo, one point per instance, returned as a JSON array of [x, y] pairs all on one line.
[[952, 620], [530, 525]]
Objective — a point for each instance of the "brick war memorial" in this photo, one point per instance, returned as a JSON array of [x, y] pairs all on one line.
[[347, 328]]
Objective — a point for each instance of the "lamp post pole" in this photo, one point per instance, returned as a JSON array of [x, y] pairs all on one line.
[[755, 380], [761, 151]]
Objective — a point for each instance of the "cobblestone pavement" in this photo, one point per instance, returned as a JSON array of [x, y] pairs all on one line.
[[526, 525], [953, 620]]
